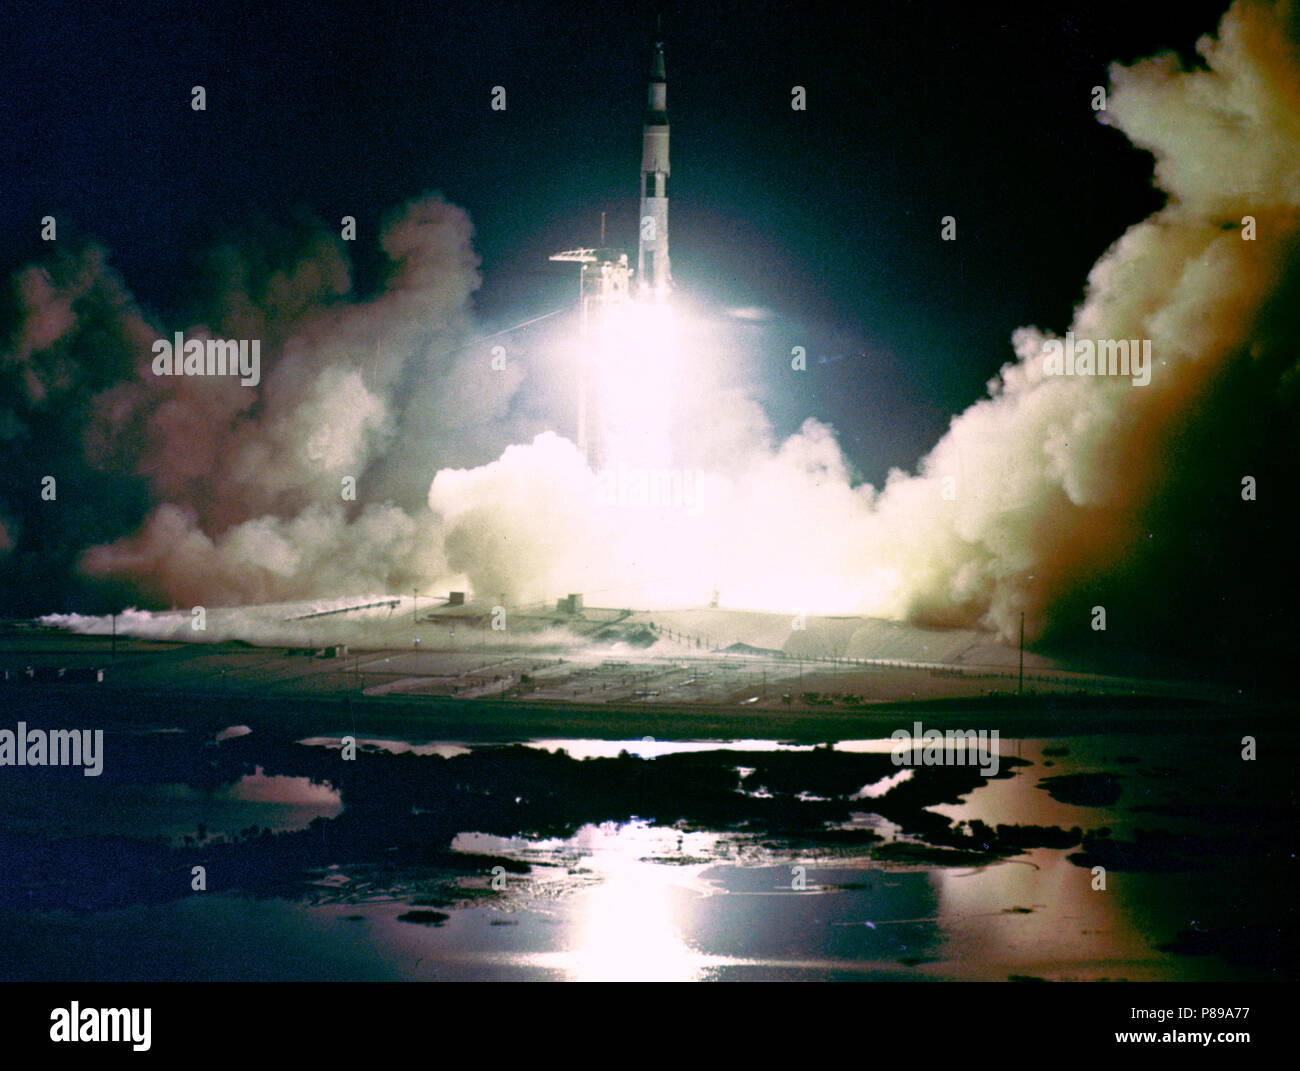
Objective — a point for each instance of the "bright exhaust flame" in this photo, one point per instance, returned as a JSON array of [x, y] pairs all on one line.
[[634, 362]]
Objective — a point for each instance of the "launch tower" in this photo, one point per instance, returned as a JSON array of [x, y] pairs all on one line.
[[603, 281]]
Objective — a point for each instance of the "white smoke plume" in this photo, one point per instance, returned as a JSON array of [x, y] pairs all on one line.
[[254, 504]]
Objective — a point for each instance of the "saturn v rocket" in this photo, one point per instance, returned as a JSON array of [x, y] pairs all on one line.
[[607, 282]]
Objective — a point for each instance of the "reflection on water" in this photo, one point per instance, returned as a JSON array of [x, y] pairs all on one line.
[[649, 748], [626, 913], [672, 905], [639, 900], [170, 810], [882, 787], [629, 929], [393, 747], [1152, 772], [257, 787]]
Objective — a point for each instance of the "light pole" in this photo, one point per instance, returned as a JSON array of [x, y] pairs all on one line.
[[1022, 652]]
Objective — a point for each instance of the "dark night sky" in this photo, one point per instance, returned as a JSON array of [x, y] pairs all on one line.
[[830, 216]]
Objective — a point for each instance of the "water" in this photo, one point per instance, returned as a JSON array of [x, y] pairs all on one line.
[[623, 897]]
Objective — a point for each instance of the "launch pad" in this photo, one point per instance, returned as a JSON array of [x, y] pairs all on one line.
[[564, 654]]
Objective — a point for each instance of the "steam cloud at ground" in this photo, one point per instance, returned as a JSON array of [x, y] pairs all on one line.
[[1050, 494]]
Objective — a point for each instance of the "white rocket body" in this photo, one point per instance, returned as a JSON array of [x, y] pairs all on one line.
[[653, 268]]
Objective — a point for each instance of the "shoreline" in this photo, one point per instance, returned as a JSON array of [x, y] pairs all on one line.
[[512, 697], [504, 721]]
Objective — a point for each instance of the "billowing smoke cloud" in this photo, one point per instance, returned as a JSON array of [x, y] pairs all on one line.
[[1072, 486], [1053, 494], [301, 485]]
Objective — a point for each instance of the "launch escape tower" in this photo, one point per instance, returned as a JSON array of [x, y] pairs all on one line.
[[605, 276]]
